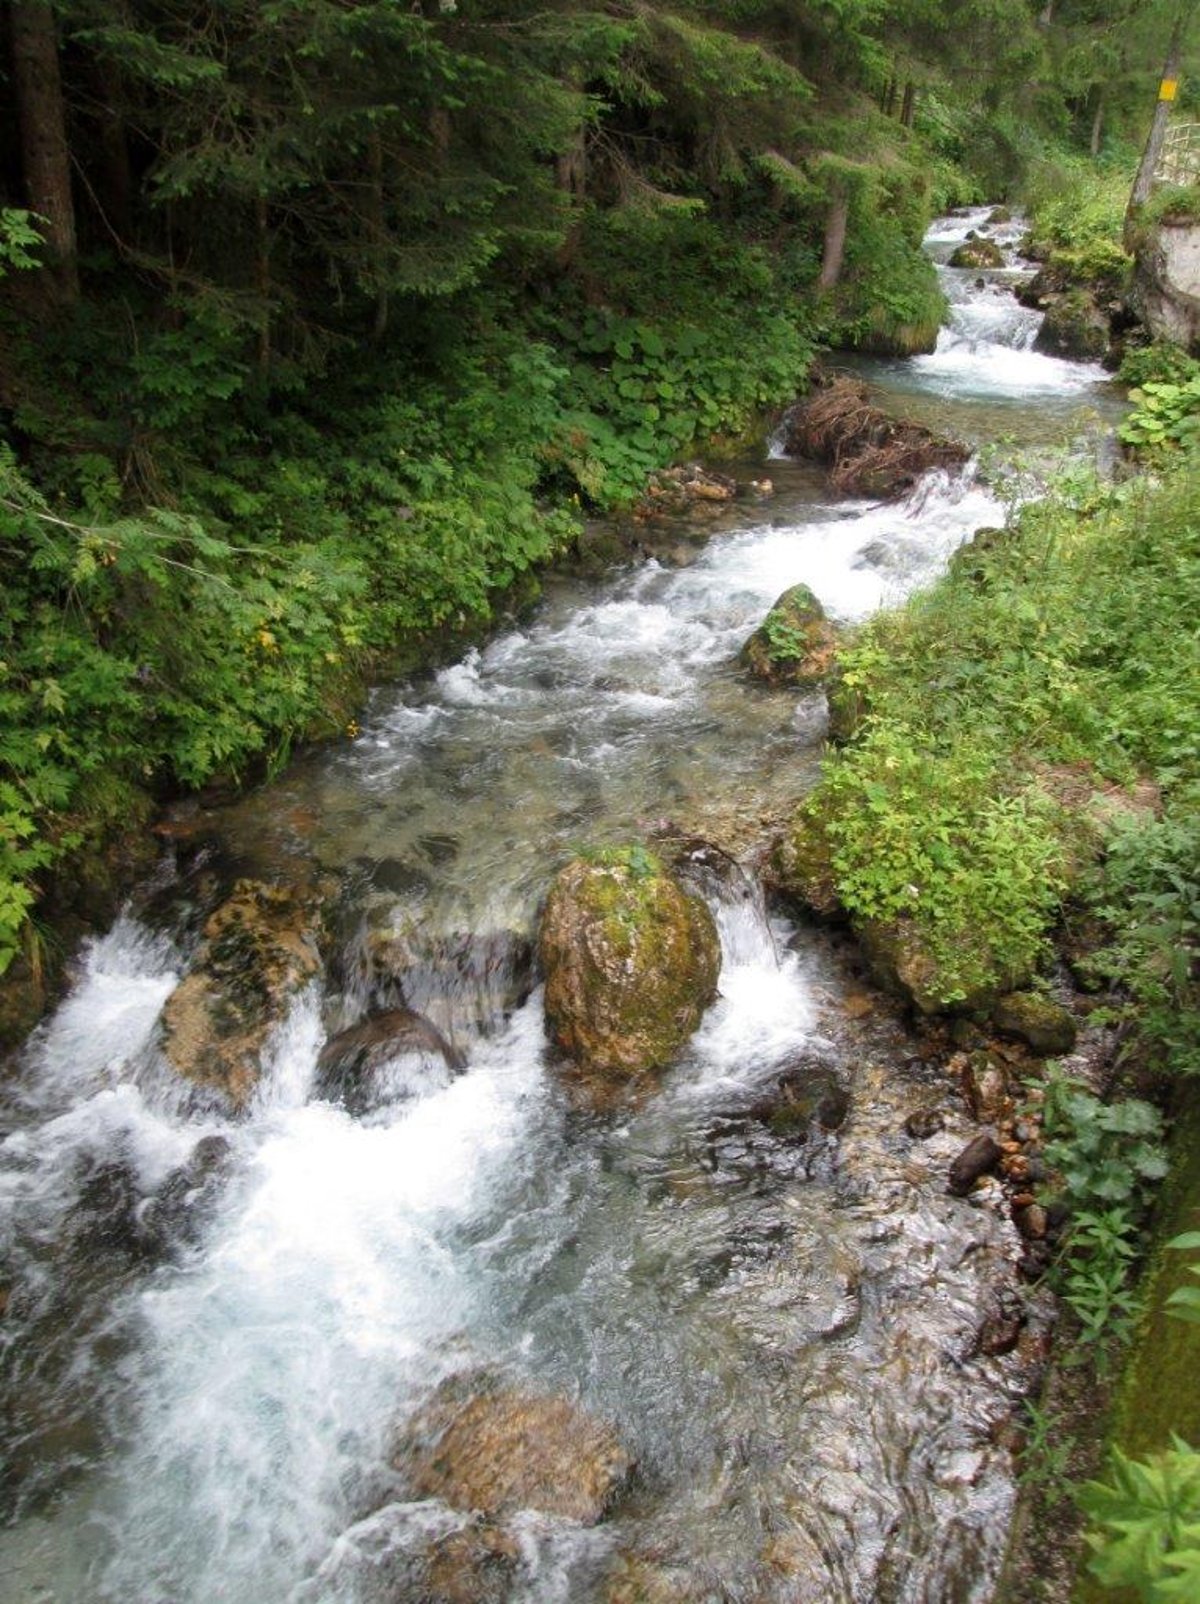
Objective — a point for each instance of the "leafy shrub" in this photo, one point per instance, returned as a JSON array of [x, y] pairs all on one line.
[[1166, 414], [1145, 1531], [1107, 1156], [1148, 895]]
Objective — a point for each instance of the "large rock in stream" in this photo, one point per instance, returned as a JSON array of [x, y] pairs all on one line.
[[631, 962], [795, 642], [259, 949]]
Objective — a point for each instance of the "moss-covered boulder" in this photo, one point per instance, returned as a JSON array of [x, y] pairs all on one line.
[[803, 862], [631, 962], [977, 253], [794, 644], [1075, 327], [998, 216], [1038, 1021], [258, 949]]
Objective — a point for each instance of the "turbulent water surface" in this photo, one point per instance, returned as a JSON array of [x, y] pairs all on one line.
[[216, 1328]]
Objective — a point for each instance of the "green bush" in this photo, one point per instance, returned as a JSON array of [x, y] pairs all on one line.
[[1145, 1525]]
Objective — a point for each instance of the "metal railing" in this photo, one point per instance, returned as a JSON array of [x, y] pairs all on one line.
[[1179, 162]]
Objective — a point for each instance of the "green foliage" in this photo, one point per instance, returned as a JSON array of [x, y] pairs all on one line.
[[1053, 657], [1145, 1524], [1157, 363], [19, 239], [1107, 1156], [1077, 209], [1166, 415], [1184, 1302], [1148, 897], [938, 837]]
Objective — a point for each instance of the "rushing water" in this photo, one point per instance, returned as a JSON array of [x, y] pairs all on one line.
[[216, 1328]]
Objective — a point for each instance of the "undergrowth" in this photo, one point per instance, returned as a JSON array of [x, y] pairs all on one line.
[[1006, 710]]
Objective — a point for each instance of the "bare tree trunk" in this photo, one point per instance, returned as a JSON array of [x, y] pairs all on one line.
[[835, 240], [45, 155], [1144, 181], [888, 104], [378, 227], [1097, 125], [262, 263], [909, 105], [1047, 16], [112, 157]]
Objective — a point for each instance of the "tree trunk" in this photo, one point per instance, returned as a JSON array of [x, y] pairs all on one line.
[[378, 223], [45, 156], [1097, 125], [835, 240], [1144, 181], [888, 104], [910, 104], [114, 173], [262, 274]]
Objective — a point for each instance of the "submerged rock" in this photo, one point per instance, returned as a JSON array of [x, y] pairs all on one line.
[[349, 1060], [1038, 1021], [795, 642], [631, 962], [496, 1449], [258, 950]]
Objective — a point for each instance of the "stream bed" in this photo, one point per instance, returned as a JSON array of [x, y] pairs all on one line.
[[217, 1328]]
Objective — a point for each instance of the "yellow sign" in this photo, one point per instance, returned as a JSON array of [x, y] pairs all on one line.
[[1166, 90]]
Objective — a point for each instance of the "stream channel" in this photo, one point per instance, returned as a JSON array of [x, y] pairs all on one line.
[[204, 1379]]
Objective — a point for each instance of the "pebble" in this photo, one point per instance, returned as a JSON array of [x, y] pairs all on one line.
[[1031, 1221], [976, 1159], [923, 1123]]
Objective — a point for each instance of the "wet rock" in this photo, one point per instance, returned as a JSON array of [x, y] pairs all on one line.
[[479, 1564], [1037, 1021], [178, 1210], [923, 1123], [977, 252], [999, 1335], [980, 1157], [998, 215], [684, 488], [901, 963], [349, 1060], [1043, 289], [805, 1096], [985, 1086], [631, 962], [465, 983], [1032, 1221], [635, 1580], [794, 644], [258, 950], [496, 1449], [803, 862], [1074, 327]]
